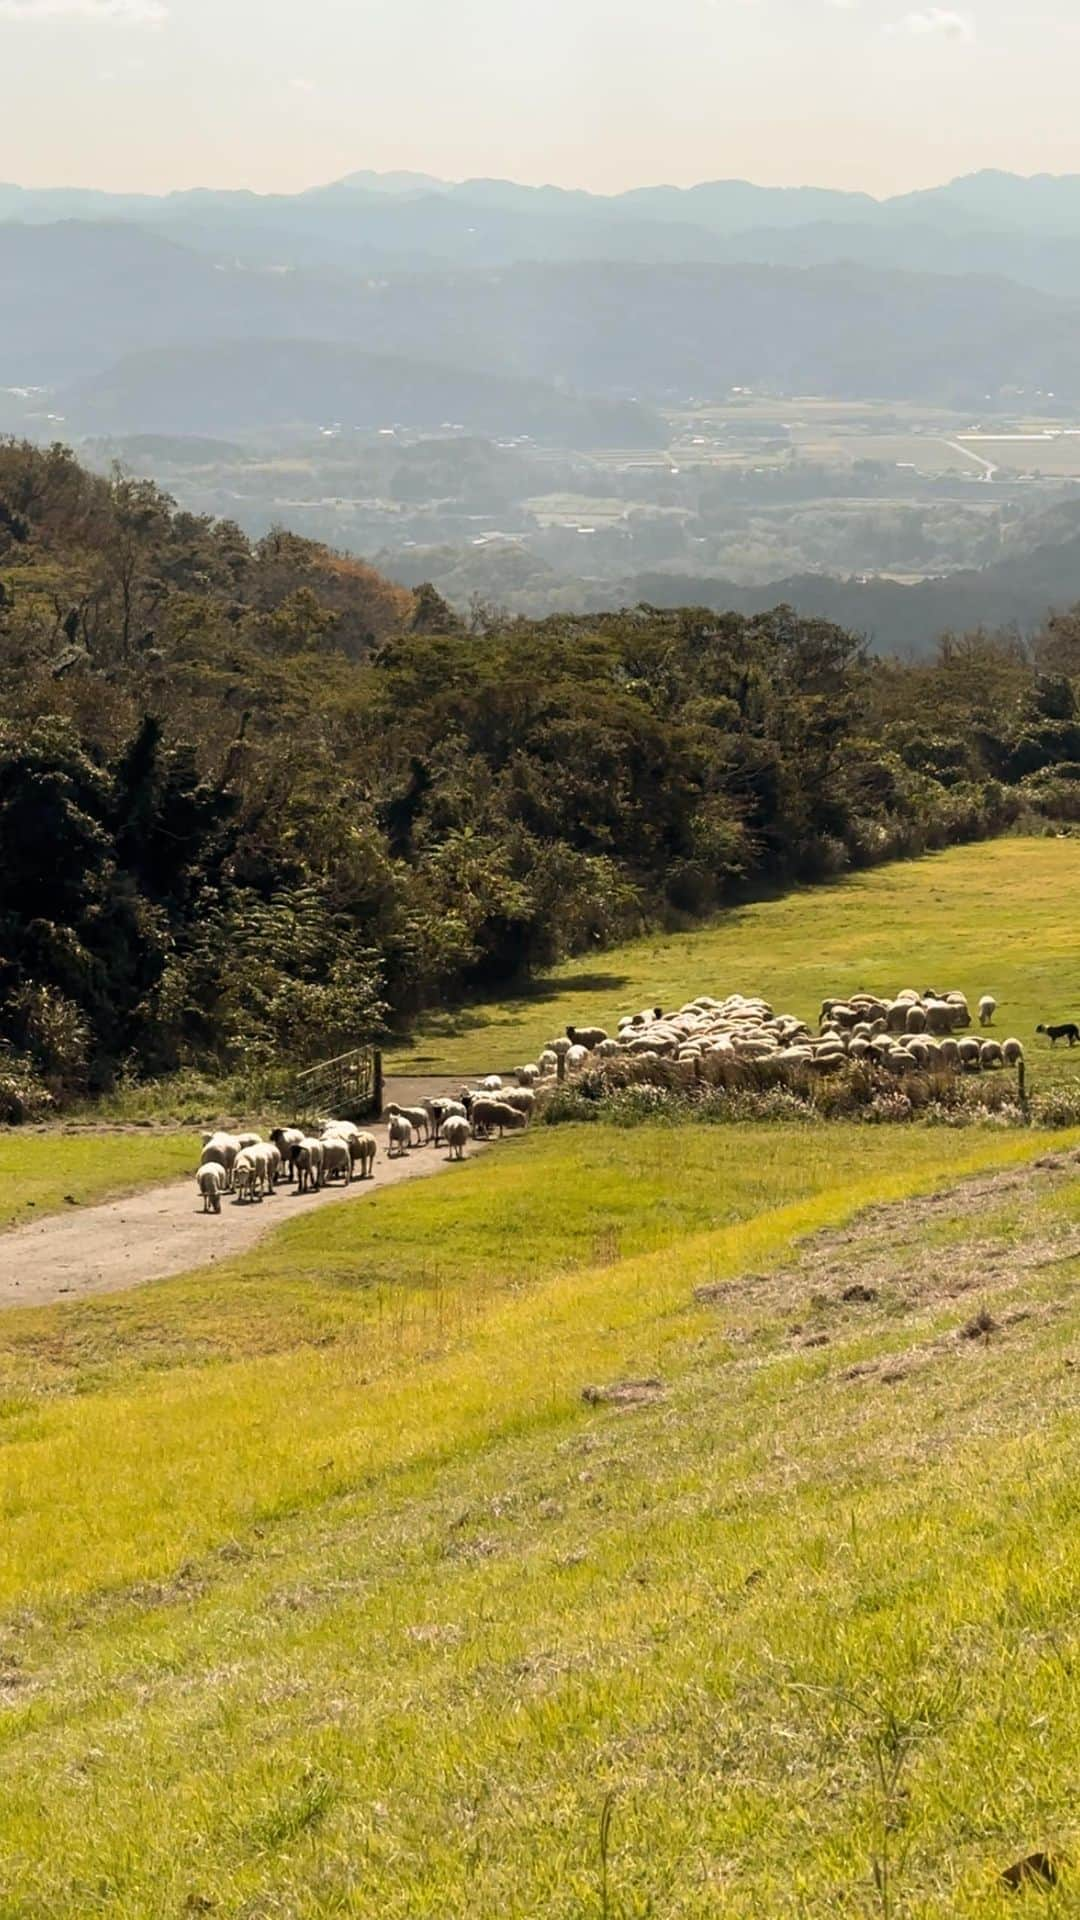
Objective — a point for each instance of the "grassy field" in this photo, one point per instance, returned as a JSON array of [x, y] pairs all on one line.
[[355, 1578], [994, 918], [323, 1590], [41, 1173]]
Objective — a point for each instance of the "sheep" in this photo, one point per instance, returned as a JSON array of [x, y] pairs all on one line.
[[337, 1158], [488, 1114], [523, 1098], [970, 1055], [364, 1149], [576, 1059], [441, 1109], [588, 1037], [249, 1140], [991, 1055], [417, 1118], [399, 1135], [950, 1054], [548, 1061], [458, 1133], [491, 1083], [916, 1019], [987, 1010], [608, 1050], [961, 1014], [211, 1184], [940, 1017], [287, 1141], [1013, 1053], [896, 1016], [268, 1161], [309, 1165], [221, 1150], [247, 1179], [528, 1076]]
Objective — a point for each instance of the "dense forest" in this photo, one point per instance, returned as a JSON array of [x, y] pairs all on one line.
[[257, 803]]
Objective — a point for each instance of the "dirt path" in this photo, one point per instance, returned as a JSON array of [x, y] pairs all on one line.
[[163, 1230]]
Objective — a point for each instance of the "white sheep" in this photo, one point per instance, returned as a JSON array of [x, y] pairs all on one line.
[[1013, 1053], [991, 1055], [576, 1059], [247, 1180], [337, 1158], [220, 1150], [987, 1010], [523, 1098], [287, 1141], [548, 1061], [457, 1133], [268, 1161], [249, 1140], [399, 1134], [309, 1164], [527, 1076], [491, 1083], [211, 1183], [364, 1149], [418, 1118], [487, 1114]]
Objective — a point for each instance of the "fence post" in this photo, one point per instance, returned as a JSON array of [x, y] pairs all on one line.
[[377, 1081]]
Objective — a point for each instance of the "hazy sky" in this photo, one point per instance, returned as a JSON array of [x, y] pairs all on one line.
[[281, 94]]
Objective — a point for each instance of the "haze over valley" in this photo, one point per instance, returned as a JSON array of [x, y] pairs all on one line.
[[548, 400]]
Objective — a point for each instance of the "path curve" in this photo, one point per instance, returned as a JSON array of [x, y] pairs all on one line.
[[162, 1231]]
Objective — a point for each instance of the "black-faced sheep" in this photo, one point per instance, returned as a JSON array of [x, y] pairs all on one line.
[[287, 1141], [487, 1115], [588, 1037]]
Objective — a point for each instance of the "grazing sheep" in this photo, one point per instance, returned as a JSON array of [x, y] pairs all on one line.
[[987, 1010], [576, 1059], [991, 1055], [950, 1054], [523, 1098], [249, 1140], [399, 1135], [1069, 1031], [940, 1018], [961, 1013], [528, 1076], [309, 1165], [488, 1114], [588, 1037], [287, 1141], [491, 1083], [221, 1150], [970, 1055], [458, 1133], [896, 1016], [916, 1019], [211, 1183], [548, 1061], [1013, 1052], [247, 1179]]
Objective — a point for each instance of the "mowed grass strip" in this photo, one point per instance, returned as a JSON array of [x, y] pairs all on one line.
[[808, 1617], [993, 918], [41, 1173]]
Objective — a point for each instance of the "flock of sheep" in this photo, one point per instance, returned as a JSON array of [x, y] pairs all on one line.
[[246, 1165], [912, 1032]]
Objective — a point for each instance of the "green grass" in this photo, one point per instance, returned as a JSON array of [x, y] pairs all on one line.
[[994, 918], [323, 1591], [42, 1172]]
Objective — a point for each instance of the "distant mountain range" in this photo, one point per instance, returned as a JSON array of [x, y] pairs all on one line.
[[1024, 229]]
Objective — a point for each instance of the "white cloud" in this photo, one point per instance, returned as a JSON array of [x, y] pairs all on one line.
[[123, 13], [844, 6], [942, 22]]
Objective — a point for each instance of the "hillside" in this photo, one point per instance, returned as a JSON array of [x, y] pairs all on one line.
[[257, 803], [547, 1535]]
